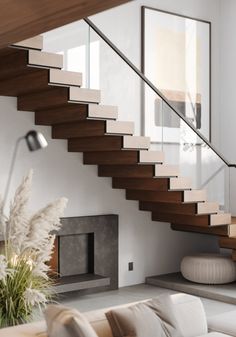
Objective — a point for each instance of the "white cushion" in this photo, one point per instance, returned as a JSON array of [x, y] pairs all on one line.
[[225, 323], [190, 315], [136, 320], [209, 268]]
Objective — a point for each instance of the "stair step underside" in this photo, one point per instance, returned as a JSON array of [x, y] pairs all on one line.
[[91, 144], [107, 143], [59, 115], [223, 230], [35, 42], [135, 171], [194, 220], [73, 113], [34, 80], [148, 184], [90, 128], [44, 59], [157, 196], [175, 208], [234, 255], [56, 97], [130, 157]]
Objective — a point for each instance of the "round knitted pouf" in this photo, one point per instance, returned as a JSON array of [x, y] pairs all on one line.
[[209, 268]]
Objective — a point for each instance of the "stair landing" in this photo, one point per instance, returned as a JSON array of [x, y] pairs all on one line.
[[175, 281]]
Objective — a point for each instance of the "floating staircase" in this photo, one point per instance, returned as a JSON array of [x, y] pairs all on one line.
[[75, 114]]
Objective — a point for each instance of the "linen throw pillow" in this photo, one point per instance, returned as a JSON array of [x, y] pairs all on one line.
[[65, 322], [164, 308], [136, 320]]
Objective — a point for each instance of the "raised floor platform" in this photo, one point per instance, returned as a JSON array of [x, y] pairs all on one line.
[[224, 293]]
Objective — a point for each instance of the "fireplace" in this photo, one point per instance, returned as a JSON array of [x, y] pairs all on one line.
[[86, 254]]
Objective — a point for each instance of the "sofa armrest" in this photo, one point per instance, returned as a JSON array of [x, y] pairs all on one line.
[[223, 323]]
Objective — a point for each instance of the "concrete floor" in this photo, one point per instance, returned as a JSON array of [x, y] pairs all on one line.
[[132, 294]]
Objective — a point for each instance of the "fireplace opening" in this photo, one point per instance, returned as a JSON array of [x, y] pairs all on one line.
[[86, 254], [76, 254]]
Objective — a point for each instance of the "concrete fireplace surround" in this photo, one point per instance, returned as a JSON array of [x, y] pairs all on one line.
[[88, 254]]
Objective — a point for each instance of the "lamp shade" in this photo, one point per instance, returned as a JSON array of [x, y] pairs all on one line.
[[35, 140]]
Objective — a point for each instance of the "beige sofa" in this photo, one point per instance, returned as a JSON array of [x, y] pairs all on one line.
[[191, 319]]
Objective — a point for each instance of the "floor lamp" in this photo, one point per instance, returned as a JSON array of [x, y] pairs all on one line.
[[35, 141]]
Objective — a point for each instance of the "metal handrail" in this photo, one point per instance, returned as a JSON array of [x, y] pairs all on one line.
[[152, 86]]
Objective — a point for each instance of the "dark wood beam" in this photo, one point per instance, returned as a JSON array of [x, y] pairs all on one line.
[[23, 19]]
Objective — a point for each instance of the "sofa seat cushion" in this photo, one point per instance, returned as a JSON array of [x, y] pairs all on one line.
[[34, 329], [224, 323]]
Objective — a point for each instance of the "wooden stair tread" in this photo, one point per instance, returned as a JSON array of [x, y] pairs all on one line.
[[69, 113], [129, 157], [190, 219], [89, 128], [135, 171], [234, 255], [233, 220], [156, 196], [78, 129], [61, 114], [185, 219], [50, 98], [114, 158], [88, 144], [175, 208], [13, 62], [224, 230], [29, 81], [227, 242], [145, 184]]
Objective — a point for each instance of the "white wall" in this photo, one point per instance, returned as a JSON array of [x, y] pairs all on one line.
[[152, 246]]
